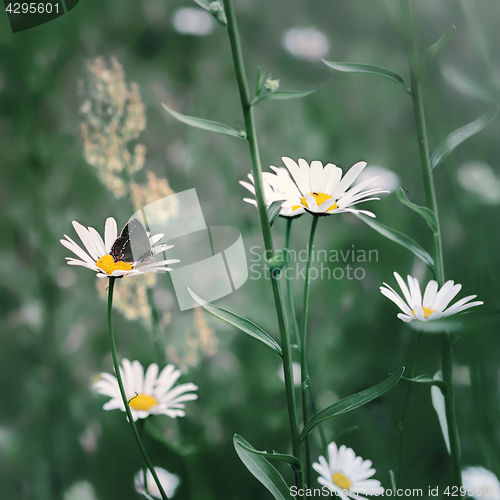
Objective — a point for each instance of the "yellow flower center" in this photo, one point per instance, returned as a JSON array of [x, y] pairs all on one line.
[[341, 481], [320, 198], [108, 265], [427, 312], [143, 402]]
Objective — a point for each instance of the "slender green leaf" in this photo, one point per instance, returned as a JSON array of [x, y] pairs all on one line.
[[239, 322], [423, 380], [261, 469], [460, 135], [211, 126], [286, 94], [273, 210], [466, 85], [216, 9], [352, 402], [399, 238], [443, 41], [370, 69], [261, 78], [289, 459], [424, 212], [439, 406]]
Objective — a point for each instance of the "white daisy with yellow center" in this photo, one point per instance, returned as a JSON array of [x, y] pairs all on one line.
[[97, 257], [169, 482], [272, 194], [346, 474], [321, 190], [433, 305], [147, 394], [480, 483]]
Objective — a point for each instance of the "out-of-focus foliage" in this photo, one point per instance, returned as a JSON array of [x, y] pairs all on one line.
[[55, 439]]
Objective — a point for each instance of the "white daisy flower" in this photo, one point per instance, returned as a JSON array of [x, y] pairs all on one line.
[[321, 190], [433, 305], [481, 483], [149, 394], [115, 255], [346, 474], [273, 194], [169, 482]]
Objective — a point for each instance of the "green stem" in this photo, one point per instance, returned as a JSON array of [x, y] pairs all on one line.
[[296, 330], [232, 30], [430, 195], [402, 425], [122, 390], [291, 305], [303, 352]]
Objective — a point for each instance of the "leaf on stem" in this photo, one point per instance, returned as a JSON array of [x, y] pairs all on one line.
[[286, 94], [370, 69], [216, 9], [423, 380], [239, 322], [399, 238], [289, 459], [273, 210], [261, 79], [261, 469], [209, 125], [439, 406], [352, 402], [424, 212], [460, 135], [438, 46]]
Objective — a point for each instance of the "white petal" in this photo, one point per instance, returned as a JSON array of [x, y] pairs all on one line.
[[430, 293], [150, 378], [405, 290], [87, 240], [348, 179], [315, 176], [299, 176], [110, 233], [98, 241], [77, 250]]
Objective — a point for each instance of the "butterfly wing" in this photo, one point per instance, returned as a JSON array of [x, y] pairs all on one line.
[[132, 245]]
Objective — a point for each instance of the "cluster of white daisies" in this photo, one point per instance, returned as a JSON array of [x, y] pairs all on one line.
[[301, 188]]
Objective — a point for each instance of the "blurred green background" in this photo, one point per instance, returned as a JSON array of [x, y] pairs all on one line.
[[53, 431]]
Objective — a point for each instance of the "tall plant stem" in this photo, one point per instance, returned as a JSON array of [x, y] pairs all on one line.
[[291, 306], [430, 195], [239, 67], [122, 390], [303, 352], [404, 418], [295, 324]]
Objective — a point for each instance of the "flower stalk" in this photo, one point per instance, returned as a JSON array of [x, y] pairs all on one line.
[[430, 196], [251, 137], [303, 352], [296, 330], [122, 389]]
